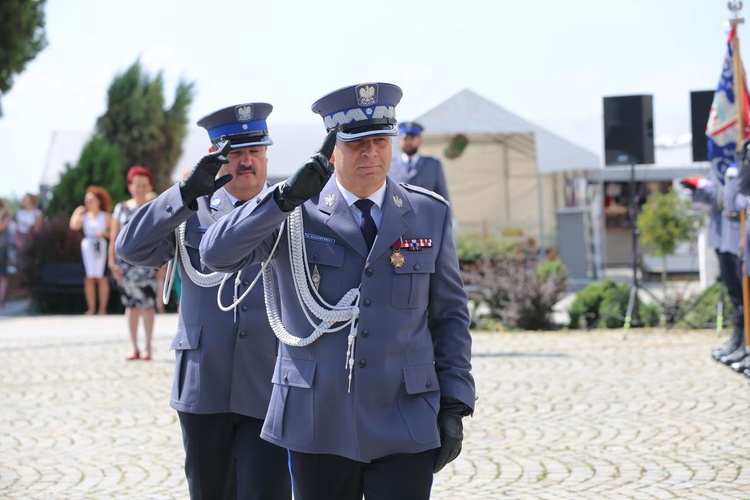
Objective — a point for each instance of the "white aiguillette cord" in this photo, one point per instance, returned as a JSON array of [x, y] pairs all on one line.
[[346, 311]]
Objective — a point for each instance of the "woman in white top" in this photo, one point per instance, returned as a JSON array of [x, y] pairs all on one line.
[[94, 218]]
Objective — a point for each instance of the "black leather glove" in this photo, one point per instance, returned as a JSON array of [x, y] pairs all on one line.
[[309, 179], [202, 180], [451, 432]]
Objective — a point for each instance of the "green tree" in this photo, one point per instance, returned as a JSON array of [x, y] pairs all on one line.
[[135, 130], [100, 165], [22, 37], [666, 221], [138, 124]]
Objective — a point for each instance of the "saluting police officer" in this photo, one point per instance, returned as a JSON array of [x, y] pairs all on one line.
[[224, 359], [370, 400], [413, 168]]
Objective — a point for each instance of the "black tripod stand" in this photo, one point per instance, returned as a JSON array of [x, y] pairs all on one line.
[[698, 300], [631, 317]]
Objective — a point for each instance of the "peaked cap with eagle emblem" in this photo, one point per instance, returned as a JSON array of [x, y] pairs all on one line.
[[244, 125], [360, 110]]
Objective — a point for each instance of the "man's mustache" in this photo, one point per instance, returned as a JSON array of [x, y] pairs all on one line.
[[242, 169]]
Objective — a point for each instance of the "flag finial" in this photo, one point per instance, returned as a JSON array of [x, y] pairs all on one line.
[[735, 6]]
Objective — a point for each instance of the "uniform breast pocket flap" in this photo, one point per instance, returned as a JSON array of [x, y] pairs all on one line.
[[186, 338], [193, 238], [324, 253], [294, 373], [422, 261]]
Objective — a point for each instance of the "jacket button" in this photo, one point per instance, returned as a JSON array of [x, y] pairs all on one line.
[[416, 267], [367, 302], [316, 258], [362, 363], [365, 334], [244, 307], [245, 283], [169, 209], [368, 271], [428, 384], [243, 334]]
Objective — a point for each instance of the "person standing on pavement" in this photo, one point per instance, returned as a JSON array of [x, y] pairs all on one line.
[[413, 168], [368, 393], [137, 284], [224, 358], [723, 235]]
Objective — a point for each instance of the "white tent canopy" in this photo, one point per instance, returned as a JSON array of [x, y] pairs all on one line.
[[511, 177]]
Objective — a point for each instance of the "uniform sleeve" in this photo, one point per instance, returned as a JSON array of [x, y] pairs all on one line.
[[441, 184], [449, 323], [148, 239], [243, 237]]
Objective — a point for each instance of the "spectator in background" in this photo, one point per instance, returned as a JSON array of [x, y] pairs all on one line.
[[137, 284], [28, 220], [4, 245], [94, 219]]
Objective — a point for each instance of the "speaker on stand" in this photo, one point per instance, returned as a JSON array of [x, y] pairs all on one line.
[[629, 140]]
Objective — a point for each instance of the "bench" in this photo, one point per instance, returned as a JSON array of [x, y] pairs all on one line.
[[60, 288]]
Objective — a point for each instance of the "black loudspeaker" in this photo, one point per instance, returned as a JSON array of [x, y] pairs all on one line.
[[629, 130], [700, 108]]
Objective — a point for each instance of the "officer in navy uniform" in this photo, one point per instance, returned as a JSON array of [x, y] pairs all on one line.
[[373, 376], [413, 168], [224, 359]]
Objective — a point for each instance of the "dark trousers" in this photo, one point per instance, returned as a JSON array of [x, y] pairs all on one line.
[[331, 477], [730, 267], [225, 458]]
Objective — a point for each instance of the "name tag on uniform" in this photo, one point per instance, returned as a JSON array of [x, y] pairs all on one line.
[[317, 237]]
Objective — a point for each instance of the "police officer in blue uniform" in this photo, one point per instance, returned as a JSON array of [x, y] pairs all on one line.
[[723, 235], [224, 359], [413, 168], [373, 376]]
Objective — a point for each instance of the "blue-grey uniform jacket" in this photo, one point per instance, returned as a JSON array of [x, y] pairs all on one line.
[[723, 232], [730, 226], [413, 345], [221, 365], [427, 173]]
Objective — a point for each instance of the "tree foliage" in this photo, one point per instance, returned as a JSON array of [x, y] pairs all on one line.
[[138, 124], [100, 165], [136, 129], [22, 37], [665, 221]]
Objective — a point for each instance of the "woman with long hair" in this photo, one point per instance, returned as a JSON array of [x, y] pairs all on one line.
[[94, 219], [137, 284]]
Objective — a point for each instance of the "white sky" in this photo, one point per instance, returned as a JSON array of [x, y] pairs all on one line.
[[549, 61]]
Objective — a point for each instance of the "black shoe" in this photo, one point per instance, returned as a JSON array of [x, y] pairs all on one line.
[[724, 350], [737, 355], [741, 366]]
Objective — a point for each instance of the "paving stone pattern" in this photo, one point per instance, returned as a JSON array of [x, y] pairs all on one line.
[[560, 415]]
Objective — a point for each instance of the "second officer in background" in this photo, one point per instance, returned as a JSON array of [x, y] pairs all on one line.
[[224, 360]]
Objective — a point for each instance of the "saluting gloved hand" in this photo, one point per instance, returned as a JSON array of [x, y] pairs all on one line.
[[309, 179], [451, 432], [691, 183], [202, 180]]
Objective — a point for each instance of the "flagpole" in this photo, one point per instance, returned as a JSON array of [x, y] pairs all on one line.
[[740, 105]]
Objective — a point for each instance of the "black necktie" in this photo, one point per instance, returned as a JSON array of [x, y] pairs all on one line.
[[239, 203], [368, 227]]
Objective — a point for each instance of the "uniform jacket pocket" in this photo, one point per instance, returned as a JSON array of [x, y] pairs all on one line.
[[291, 408], [411, 282], [187, 337]]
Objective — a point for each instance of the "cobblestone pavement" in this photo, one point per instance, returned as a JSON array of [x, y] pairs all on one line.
[[560, 415]]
